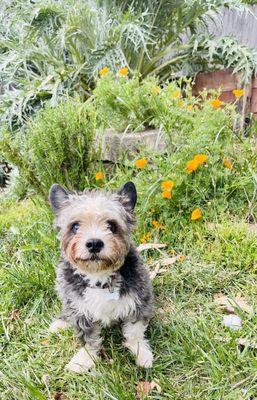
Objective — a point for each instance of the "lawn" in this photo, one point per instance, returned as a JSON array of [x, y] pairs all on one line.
[[195, 355]]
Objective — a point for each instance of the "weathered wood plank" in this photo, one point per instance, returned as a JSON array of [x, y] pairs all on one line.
[[241, 25]]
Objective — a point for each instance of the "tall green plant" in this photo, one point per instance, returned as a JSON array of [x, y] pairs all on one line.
[[48, 48], [56, 146]]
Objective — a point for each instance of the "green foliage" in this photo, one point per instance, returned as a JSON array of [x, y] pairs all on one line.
[[50, 48], [213, 188], [132, 104], [125, 104], [191, 126], [55, 147]]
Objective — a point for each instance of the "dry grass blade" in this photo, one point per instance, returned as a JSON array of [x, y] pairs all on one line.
[[169, 260], [157, 270], [148, 246]]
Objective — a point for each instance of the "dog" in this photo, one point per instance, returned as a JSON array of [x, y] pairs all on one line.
[[101, 278]]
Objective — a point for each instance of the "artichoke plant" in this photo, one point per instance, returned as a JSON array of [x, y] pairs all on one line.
[[49, 47]]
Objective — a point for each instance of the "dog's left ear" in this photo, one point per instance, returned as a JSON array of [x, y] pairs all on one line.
[[129, 192], [57, 196]]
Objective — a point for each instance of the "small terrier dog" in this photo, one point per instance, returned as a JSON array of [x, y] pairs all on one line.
[[101, 278]]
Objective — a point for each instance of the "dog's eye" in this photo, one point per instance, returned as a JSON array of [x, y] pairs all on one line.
[[75, 227], [112, 226]]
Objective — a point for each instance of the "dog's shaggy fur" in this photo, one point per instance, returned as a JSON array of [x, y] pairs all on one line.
[[101, 278]]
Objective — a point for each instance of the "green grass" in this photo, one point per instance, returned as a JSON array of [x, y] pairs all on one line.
[[196, 357]]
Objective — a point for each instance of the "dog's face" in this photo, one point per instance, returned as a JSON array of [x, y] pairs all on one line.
[[94, 226]]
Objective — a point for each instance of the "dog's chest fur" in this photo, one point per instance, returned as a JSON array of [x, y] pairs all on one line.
[[104, 306], [97, 297]]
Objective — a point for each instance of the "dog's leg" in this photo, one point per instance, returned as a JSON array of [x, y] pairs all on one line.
[[85, 358], [137, 344]]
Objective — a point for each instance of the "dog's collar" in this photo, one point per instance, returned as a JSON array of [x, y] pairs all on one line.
[[109, 283]]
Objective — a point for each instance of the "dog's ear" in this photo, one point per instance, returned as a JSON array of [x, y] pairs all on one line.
[[129, 192], [57, 196]]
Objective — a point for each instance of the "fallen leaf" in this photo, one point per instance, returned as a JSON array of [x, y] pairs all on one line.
[[163, 262], [45, 342], [144, 388], [59, 396], [147, 246], [240, 341], [231, 302], [155, 385], [247, 343], [14, 314]]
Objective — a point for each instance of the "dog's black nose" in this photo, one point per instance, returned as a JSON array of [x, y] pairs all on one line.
[[94, 245]]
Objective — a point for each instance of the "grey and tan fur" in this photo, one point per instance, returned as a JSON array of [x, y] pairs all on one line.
[[101, 278]]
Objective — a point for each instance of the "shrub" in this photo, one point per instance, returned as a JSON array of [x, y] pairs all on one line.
[[56, 146], [122, 103]]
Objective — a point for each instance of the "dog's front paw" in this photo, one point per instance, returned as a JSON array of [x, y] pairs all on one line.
[[81, 362], [57, 325], [144, 358]]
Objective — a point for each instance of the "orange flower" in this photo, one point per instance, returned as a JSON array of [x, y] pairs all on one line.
[[141, 163], [166, 194], [168, 185], [104, 71], [191, 166], [216, 103], [238, 93], [190, 107], [176, 94], [145, 238], [155, 224], [123, 71], [196, 214], [180, 103], [227, 163], [182, 258], [200, 158], [99, 176], [155, 90]]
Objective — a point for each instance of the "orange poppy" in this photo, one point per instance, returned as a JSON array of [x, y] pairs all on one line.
[[123, 71], [141, 163], [104, 71], [216, 103], [196, 214], [99, 176]]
